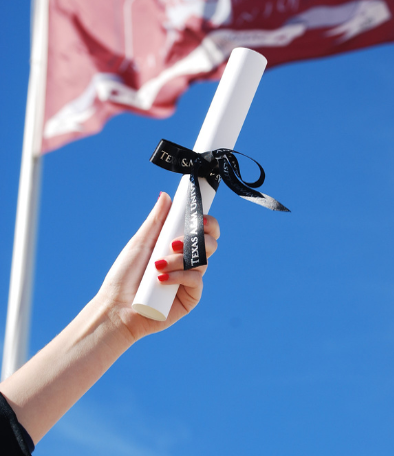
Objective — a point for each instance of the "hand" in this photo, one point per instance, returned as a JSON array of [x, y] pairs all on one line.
[[123, 279], [103, 330]]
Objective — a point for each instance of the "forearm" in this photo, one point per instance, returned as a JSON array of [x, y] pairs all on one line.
[[57, 376]]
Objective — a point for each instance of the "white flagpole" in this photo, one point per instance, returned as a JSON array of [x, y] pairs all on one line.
[[22, 269]]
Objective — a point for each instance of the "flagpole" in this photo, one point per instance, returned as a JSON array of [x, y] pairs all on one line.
[[22, 269]]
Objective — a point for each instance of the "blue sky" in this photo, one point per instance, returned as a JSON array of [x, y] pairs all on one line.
[[291, 350]]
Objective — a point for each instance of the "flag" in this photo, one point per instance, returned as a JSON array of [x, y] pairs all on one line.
[[109, 56]]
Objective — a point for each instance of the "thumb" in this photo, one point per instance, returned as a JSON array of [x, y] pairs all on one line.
[[149, 231], [133, 259]]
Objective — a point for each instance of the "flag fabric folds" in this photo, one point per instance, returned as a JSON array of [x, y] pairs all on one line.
[[109, 56]]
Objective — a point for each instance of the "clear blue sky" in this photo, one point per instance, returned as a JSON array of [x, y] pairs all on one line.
[[291, 350]]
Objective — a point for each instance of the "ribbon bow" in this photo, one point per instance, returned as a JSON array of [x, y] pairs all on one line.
[[213, 166]]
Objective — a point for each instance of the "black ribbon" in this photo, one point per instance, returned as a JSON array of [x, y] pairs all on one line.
[[213, 166]]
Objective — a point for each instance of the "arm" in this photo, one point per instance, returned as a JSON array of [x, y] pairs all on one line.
[[57, 376]]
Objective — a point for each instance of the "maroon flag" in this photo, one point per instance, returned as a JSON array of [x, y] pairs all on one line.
[[108, 56]]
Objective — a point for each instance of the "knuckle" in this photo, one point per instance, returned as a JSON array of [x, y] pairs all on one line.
[[215, 228], [193, 278], [198, 277], [211, 245]]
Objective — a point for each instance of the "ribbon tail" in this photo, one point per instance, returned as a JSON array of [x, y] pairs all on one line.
[[230, 179], [194, 254], [266, 201]]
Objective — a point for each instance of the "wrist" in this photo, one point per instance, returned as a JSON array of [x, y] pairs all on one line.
[[115, 315]]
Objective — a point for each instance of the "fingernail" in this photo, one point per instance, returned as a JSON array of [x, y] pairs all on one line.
[[163, 277], [177, 246], [160, 264], [205, 220], [159, 195]]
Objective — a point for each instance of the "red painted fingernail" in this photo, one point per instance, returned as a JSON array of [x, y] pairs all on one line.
[[205, 220], [160, 264], [177, 246], [163, 277]]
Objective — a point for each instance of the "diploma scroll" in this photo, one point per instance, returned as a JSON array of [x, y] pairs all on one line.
[[220, 129]]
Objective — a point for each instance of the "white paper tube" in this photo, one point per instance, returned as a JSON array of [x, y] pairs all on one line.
[[220, 129]]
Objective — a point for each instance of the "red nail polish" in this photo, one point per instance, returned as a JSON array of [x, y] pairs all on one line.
[[160, 264], [163, 277], [177, 246], [205, 220]]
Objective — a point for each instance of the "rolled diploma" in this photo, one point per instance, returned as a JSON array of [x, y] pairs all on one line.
[[220, 129]]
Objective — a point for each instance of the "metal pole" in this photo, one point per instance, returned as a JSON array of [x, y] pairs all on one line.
[[22, 269]]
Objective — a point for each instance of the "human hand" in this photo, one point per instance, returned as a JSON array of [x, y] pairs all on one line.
[[105, 328], [122, 281]]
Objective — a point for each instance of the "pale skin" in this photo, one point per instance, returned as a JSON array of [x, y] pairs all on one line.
[[48, 385]]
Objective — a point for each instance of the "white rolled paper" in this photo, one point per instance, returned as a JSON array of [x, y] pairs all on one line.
[[220, 129]]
